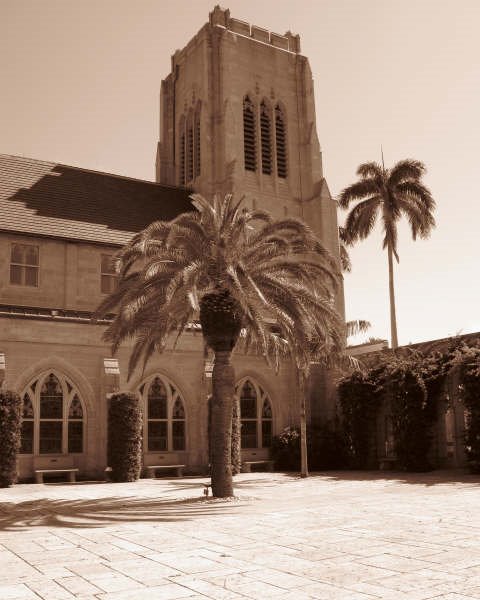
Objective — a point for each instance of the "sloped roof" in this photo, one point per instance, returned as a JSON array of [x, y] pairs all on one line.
[[55, 200]]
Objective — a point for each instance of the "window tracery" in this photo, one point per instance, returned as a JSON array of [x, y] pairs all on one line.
[[255, 415], [53, 416], [166, 420]]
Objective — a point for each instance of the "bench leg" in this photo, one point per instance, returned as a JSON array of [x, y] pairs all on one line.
[[270, 467], [71, 476], [179, 472], [39, 477], [246, 468]]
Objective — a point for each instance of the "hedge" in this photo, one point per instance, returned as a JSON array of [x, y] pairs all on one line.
[[10, 429], [124, 449]]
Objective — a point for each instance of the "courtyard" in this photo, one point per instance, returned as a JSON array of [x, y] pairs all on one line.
[[335, 535]]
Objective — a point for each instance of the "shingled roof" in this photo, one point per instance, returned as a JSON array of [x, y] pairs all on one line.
[[55, 200]]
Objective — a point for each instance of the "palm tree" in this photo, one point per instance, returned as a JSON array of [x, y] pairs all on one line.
[[391, 193], [266, 284]]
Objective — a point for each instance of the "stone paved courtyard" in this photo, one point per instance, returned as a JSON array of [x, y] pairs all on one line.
[[345, 536]]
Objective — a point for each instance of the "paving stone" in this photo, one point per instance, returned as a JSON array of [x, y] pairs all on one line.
[[169, 591], [17, 592], [78, 586]]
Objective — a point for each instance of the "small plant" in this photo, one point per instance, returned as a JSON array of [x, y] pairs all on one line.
[[285, 450], [10, 427], [125, 437]]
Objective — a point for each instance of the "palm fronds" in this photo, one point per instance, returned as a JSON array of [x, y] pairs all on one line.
[[277, 271]]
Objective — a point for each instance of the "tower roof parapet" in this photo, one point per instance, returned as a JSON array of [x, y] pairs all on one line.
[[288, 41]]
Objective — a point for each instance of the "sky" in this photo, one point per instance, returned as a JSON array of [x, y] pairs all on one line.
[[80, 85]]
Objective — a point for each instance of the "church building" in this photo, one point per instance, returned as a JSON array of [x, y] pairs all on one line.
[[237, 114]]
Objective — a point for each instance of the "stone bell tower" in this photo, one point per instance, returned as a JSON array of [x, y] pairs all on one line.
[[237, 114]]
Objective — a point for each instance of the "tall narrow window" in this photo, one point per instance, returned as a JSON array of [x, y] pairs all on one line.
[[249, 135], [75, 426], [189, 149], [182, 158], [266, 424], [26, 446], [197, 166], [281, 142], [24, 265], [266, 138], [157, 416], [255, 415], [51, 416], [178, 425], [108, 274], [165, 409]]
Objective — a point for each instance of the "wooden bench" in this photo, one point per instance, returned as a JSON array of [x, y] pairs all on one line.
[[247, 465], [39, 473], [152, 469]]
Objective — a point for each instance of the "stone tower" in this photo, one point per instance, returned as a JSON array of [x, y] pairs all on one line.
[[237, 114]]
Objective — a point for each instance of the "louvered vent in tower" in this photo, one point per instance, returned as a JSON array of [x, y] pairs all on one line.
[[281, 142], [266, 137], [181, 175], [249, 135], [189, 151], [197, 143]]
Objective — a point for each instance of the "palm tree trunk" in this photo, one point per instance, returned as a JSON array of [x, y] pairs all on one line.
[[303, 428], [393, 317], [223, 389], [236, 437]]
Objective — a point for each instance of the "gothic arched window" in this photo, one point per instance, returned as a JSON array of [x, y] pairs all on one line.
[[53, 416], [281, 142], [255, 415], [165, 422], [249, 135], [266, 138]]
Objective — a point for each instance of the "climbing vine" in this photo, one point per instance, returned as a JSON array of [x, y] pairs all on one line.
[[409, 389]]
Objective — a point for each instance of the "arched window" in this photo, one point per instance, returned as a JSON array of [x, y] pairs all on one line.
[[249, 135], [53, 416], [196, 148], [281, 142], [165, 422], [255, 415], [266, 138]]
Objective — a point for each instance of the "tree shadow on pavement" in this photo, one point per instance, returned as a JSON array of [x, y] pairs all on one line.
[[428, 478], [81, 513]]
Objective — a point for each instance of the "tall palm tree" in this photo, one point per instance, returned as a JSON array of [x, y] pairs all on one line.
[[266, 284], [390, 193]]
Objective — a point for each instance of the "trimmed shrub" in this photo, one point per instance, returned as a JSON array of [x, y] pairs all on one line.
[[124, 451], [10, 427]]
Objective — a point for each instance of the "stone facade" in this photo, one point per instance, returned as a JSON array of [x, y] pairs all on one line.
[[60, 225]]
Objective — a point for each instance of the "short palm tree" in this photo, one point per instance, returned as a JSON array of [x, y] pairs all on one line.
[[266, 284], [390, 193]]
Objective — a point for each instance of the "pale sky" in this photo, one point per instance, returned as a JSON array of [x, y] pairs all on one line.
[[80, 85]]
